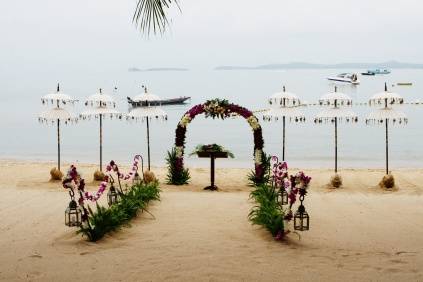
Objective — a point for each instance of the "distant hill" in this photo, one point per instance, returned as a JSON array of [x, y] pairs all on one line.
[[133, 69], [304, 65]]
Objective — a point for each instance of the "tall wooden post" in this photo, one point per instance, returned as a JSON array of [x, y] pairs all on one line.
[[148, 142], [58, 144], [386, 142], [283, 147], [336, 144], [283, 122], [101, 142]]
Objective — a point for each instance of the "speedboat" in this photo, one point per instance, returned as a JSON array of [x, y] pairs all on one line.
[[345, 77], [368, 73], [379, 71]]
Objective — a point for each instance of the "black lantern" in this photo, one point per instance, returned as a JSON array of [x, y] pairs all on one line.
[[73, 214], [301, 217], [282, 197], [112, 196]]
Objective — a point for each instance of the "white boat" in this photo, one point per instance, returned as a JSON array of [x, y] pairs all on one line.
[[345, 77]]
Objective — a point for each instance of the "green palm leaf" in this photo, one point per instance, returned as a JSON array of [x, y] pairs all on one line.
[[151, 15]]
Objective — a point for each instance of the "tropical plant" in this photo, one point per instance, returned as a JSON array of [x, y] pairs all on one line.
[[254, 179], [267, 212], [176, 174], [211, 148], [151, 15], [104, 220]]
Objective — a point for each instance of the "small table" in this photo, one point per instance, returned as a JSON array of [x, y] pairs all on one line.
[[212, 155]]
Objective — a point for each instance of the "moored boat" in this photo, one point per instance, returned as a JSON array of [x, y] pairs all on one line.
[[345, 77], [379, 71], [171, 101], [368, 73]]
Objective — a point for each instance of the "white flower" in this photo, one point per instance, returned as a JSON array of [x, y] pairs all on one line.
[[253, 121], [257, 156], [185, 120], [179, 151]]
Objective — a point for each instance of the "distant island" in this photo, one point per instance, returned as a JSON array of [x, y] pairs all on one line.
[[303, 65], [133, 69]]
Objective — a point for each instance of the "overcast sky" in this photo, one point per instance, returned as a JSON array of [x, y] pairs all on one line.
[[207, 33]]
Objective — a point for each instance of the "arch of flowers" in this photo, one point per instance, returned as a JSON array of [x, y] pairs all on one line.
[[218, 108]]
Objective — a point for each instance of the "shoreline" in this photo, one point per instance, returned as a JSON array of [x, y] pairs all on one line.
[[218, 166]]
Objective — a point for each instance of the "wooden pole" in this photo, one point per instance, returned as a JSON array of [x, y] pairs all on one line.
[[212, 171], [283, 147], [148, 142], [386, 141], [336, 144], [58, 144], [101, 142]]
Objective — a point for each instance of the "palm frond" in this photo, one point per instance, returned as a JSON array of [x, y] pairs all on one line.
[[151, 15]]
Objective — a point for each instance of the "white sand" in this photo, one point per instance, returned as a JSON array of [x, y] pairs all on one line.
[[358, 233]]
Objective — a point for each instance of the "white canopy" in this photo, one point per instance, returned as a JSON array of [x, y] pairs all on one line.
[[141, 113], [386, 114], [57, 97], [293, 113], [389, 97], [100, 100], [329, 115], [96, 112], [146, 96], [338, 98], [284, 99], [56, 114]]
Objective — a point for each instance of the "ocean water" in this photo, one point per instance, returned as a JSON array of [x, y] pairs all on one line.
[[307, 145]]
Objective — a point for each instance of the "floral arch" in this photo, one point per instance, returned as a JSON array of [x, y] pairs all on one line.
[[215, 108]]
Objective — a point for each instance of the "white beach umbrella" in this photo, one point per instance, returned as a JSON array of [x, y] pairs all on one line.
[[284, 99], [335, 114], [284, 105], [386, 115], [146, 112], [100, 106], [57, 114]]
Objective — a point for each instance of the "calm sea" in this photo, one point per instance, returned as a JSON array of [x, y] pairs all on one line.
[[307, 145]]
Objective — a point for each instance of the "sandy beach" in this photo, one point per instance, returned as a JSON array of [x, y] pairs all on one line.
[[358, 232]]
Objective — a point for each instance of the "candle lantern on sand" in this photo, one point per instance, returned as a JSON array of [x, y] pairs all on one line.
[[301, 217], [385, 116], [112, 196], [56, 116], [284, 107], [337, 112], [73, 213], [100, 106], [149, 108], [282, 197]]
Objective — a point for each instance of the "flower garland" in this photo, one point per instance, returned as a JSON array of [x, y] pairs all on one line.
[[74, 182], [218, 108]]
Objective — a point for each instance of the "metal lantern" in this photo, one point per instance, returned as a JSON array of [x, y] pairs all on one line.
[[301, 218], [73, 214], [112, 196], [282, 197]]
